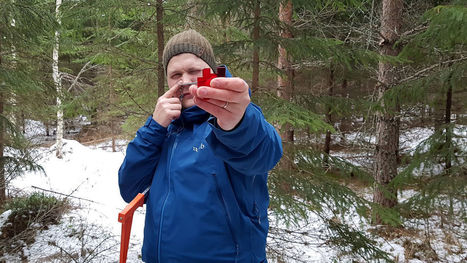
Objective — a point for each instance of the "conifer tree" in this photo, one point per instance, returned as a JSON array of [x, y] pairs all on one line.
[[387, 123], [18, 78]]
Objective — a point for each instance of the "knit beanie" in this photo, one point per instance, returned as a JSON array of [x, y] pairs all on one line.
[[192, 42]]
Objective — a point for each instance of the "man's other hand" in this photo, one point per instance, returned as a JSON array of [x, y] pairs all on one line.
[[168, 107]]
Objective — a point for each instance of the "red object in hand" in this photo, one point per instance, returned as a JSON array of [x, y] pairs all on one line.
[[205, 79], [126, 218]]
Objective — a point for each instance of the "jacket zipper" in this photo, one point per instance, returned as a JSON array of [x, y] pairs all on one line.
[[166, 198], [229, 219]]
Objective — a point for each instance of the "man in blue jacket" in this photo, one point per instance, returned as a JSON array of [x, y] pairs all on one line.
[[205, 154]]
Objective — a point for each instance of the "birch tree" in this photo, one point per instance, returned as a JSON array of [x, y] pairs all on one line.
[[58, 83]]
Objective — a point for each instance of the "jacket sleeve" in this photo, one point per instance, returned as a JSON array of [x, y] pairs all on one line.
[[253, 147], [142, 156]]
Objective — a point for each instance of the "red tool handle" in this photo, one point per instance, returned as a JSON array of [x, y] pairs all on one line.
[[126, 218]]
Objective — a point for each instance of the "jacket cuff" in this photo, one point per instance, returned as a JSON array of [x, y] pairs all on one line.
[[243, 138], [152, 131]]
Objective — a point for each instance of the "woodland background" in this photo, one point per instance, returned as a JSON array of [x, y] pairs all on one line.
[[321, 71]]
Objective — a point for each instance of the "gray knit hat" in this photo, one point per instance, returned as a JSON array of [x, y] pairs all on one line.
[[192, 42]]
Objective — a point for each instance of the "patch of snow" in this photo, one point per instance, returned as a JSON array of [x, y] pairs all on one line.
[[89, 175]]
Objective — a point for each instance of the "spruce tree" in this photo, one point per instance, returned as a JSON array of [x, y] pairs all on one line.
[[18, 80]]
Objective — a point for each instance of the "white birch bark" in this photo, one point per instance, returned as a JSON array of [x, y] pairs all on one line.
[[58, 84]]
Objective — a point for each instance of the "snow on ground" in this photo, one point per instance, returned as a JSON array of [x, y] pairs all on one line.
[[91, 233], [89, 176]]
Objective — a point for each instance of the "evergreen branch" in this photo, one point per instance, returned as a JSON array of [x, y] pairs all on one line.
[[136, 103], [421, 72], [138, 58]]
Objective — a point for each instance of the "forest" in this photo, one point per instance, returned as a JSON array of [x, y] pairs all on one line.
[[369, 98]]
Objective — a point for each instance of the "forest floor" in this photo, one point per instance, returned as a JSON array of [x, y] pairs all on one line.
[[89, 231]]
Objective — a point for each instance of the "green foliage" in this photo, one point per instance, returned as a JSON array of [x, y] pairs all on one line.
[[353, 242], [281, 112], [313, 188], [28, 214]]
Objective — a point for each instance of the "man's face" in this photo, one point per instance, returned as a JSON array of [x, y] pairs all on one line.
[[185, 68]]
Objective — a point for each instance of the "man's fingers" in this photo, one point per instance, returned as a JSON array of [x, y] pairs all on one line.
[[214, 109], [169, 101], [173, 91], [218, 94], [233, 84]]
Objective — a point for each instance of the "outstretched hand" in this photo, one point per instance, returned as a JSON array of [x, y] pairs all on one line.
[[226, 99]]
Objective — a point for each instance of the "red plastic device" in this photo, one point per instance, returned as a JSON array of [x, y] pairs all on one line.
[[205, 80], [126, 218]]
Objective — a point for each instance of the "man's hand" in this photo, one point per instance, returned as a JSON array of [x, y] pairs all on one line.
[[226, 99], [168, 107]]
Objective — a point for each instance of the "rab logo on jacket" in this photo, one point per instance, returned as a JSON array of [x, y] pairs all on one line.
[[199, 148]]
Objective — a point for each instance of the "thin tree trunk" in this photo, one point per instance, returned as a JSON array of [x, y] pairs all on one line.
[[327, 140], [387, 128], [2, 141], [112, 102], [255, 76], [58, 84], [160, 47], [189, 21], [2, 146], [447, 121], [285, 80]]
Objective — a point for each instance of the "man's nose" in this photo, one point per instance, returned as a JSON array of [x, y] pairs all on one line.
[[187, 78]]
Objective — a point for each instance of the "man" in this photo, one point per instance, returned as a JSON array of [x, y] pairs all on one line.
[[205, 154]]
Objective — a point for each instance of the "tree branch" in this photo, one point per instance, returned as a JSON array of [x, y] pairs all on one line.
[[420, 72]]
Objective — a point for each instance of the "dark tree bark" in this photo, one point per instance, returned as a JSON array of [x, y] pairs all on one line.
[[387, 124], [160, 48], [447, 121], [255, 76], [327, 140], [2, 144], [285, 80]]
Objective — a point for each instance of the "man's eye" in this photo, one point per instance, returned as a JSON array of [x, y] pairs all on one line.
[[176, 76]]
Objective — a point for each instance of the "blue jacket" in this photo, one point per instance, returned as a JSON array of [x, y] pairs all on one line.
[[208, 198]]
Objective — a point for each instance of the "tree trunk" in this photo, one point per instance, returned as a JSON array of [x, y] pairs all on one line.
[[447, 121], [112, 102], [2, 146], [58, 84], [285, 79], [192, 12], [160, 48], [387, 128], [2, 143], [327, 140], [255, 76]]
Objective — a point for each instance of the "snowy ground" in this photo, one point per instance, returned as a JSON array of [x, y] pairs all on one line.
[[91, 233]]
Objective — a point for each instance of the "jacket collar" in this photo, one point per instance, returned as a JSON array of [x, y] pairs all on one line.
[[190, 116]]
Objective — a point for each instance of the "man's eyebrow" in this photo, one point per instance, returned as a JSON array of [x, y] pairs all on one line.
[[195, 68]]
